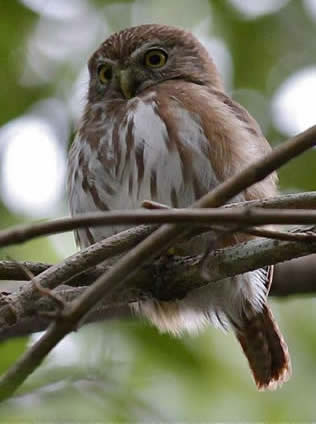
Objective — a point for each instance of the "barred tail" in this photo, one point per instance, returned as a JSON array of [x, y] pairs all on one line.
[[265, 349]]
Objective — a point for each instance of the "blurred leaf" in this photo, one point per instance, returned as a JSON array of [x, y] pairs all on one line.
[[130, 372], [15, 24], [39, 249], [170, 351], [299, 174], [10, 351]]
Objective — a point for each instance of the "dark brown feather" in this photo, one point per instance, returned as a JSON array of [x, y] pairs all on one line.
[[265, 349]]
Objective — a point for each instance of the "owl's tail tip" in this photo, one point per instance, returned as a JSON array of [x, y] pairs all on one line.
[[275, 383], [266, 351], [277, 379]]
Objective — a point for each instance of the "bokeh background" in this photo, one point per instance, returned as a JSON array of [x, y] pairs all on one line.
[[266, 52]]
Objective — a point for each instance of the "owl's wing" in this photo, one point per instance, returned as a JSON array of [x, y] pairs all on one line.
[[257, 147], [76, 196], [248, 122], [241, 113]]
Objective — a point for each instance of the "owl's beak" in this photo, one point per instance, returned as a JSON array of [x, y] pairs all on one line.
[[127, 83]]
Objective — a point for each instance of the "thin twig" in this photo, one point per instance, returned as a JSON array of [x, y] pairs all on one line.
[[95, 254], [22, 233], [259, 232], [282, 235], [42, 290], [71, 267], [149, 248]]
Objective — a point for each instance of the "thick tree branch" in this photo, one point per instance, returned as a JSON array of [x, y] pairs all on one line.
[[82, 261], [69, 268], [180, 275], [36, 319], [121, 272], [295, 277]]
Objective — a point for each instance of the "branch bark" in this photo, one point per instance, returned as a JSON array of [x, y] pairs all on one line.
[[179, 275], [82, 261], [117, 276], [307, 201]]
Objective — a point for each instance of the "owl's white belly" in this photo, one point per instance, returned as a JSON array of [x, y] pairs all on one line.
[[136, 160], [147, 165]]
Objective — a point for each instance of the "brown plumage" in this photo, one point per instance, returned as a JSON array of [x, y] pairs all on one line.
[[265, 349], [158, 125]]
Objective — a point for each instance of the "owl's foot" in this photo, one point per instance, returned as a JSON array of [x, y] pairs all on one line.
[[139, 295]]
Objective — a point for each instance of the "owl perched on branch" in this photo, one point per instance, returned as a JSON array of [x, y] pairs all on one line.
[[158, 125]]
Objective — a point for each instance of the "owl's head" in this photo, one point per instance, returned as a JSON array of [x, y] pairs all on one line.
[[137, 58]]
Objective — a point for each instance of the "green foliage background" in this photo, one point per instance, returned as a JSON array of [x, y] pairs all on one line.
[[127, 371]]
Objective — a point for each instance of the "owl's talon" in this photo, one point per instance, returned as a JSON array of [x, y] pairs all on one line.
[[171, 251], [139, 294]]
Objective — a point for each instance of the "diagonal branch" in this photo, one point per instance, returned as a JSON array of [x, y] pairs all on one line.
[[69, 268], [148, 249], [87, 258], [181, 275]]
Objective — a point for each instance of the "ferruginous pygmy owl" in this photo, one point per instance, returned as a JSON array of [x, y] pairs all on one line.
[[158, 125]]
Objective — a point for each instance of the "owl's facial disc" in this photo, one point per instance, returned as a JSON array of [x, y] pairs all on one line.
[[135, 74], [131, 62], [130, 75]]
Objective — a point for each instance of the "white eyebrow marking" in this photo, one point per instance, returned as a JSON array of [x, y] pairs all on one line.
[[146, 46]]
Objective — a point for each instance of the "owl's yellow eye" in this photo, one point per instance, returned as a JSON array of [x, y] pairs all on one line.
[[105, 73], [155, 58]]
